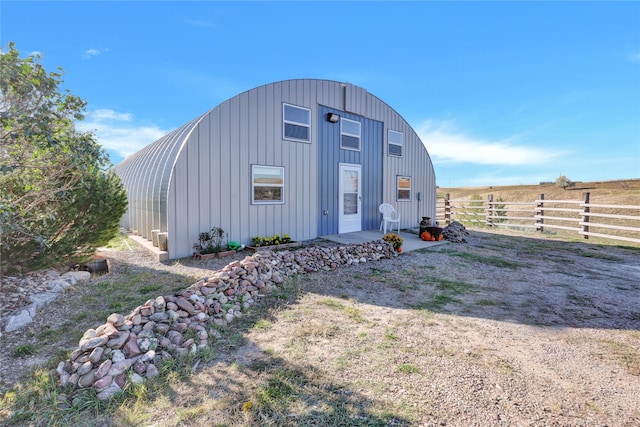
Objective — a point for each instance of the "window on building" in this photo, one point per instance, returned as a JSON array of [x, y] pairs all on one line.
[[403, 188], [349, 134], [396, 140], [267, 184], [296, 124]]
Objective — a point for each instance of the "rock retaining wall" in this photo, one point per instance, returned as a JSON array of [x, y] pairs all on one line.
[[129, 348]]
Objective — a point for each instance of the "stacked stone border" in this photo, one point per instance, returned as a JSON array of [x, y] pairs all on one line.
[[129, 348]]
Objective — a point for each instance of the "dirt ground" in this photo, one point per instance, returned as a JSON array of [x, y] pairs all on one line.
[[503, 330]]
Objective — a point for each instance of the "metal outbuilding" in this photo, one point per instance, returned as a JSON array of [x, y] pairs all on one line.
[[302, 157]]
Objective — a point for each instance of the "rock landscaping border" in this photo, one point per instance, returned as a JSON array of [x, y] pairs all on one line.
[[129, 348], [18, 310]]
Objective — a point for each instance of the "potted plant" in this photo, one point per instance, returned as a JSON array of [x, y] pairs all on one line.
[[210, 244], [274, 242], [395, 240]]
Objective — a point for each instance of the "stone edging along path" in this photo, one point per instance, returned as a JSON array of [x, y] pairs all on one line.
[[128, 348]]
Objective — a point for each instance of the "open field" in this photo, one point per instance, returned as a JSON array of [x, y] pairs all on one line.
[[614, 193], [622, 192], [503, 330]]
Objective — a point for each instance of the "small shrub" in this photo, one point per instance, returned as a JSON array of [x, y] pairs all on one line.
[[394, 239], [210, 241], [564, 182], [25, 350], [270, 241]]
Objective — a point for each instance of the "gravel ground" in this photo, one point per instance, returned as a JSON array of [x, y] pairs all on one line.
[[497, 331]]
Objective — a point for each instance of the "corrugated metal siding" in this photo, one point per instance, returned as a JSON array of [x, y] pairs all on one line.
[[356, 100], [199, 176], [329, 158], [145, 175], [415, 162], [245, 130]]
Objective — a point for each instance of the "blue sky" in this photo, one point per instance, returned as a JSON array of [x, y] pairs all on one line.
[[500, 92]]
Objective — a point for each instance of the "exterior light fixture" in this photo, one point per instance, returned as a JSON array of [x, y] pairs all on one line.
[[333, 118]]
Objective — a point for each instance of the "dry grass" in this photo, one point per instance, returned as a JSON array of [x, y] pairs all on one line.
[[621, 192], [502, 331]]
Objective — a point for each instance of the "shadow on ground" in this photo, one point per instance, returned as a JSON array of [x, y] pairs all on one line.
[[533, 281]]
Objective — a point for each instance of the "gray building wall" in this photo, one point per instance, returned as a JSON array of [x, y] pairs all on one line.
[[330, 155], [199, 176]]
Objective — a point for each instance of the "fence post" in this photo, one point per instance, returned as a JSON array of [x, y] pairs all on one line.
[[447, 209], [490, 210], [585, 213], [540, 211]]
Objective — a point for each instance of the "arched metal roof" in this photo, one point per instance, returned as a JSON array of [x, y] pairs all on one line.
[[146, 175]]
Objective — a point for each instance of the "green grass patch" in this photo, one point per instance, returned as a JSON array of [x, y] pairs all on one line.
[[279, 389], [262, 324], [25, 350], [47, 334], [593, 252], [448, 289], [506, 367], [145, 289], [493, 260], [390, 336], [436, 303], [349, 311], [408, 368], [452, 286], [623, 354]]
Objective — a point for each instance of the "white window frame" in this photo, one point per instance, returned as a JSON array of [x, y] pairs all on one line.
[[295, 123], [398, 178], [401, 144], [254, 185], [353, 135]]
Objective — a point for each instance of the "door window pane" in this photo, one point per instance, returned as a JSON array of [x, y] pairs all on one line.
[[350, 203]]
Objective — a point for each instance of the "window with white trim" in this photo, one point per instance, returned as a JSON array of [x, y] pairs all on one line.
[[396, 140], [267, 184], [296, 123], [403, 188], [350, 134]]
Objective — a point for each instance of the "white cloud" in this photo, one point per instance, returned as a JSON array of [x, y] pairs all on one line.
[[105, 114], [94, 52], [445, 144], [118, 133], [634, 57]]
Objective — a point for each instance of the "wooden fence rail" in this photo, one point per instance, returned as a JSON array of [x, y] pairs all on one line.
[[611, 221]]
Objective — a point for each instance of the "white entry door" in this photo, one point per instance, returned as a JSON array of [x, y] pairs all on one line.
[[350, 203]]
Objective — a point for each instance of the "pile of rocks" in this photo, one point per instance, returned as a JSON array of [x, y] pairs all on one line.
[[455, 232], [128, 348], [21, 297]]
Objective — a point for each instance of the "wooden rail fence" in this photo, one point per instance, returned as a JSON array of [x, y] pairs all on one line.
[[618, 222]]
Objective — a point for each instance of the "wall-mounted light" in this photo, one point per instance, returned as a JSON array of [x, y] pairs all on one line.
[[333, 118]]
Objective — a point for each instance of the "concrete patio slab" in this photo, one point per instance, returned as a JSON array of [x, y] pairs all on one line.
[[411, 241]]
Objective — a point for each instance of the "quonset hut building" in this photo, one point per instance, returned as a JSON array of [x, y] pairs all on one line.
[[302, 157]]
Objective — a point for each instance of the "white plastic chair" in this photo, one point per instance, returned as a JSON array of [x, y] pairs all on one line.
[[389, 217]]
